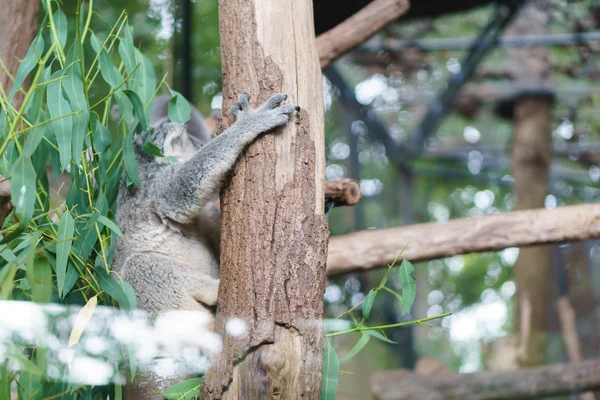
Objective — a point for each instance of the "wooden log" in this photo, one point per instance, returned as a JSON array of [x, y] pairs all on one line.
[[344, 192], [273, 229], [553, 380], [358, 28], [376, 248]]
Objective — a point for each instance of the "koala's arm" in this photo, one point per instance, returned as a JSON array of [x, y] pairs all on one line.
[[183, 189]]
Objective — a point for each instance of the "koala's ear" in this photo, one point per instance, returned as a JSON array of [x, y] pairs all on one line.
[[178, 144]]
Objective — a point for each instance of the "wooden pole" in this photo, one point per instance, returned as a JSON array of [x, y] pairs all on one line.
[[534, 383], [274, 233], [376, 248]]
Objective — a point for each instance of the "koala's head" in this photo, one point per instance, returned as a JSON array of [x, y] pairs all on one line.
[[172, 140]]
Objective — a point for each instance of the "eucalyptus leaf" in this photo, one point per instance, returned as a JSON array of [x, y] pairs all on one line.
[[108, 70], [39, 274], [184, 390], [7, 283], [127, 51], [368, 304], [138, 108], [36, 49], [409, 286], [60, 22], [34, 137], [22, 188], [144, 82], [62, 126], [131, 167], [379, 335], [330, 372], [362, 342], [179, 108], [66, 229], [73, 86], [118, 289], [102, 136], [111, 225]]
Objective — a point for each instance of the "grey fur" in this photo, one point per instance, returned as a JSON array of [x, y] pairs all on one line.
[[170, 249]]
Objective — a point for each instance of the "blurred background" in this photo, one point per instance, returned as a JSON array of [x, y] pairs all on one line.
[[424, 115]]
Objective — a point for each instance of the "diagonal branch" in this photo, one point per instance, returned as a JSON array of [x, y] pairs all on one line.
[[358, 28]]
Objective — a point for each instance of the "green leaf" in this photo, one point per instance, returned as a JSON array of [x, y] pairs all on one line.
[[30, 386], [39, 275], [24, 363], [62, 126], [367, 304], [66, 230], [138, 108], [179, 108], [144, 82], [22, 188], [119, 290], [131, 167], [28, 64], [331, 373], [7, 283], [108, 70], [362, 342], [34, 137], [184, 390], [111, 225], [336, 325], [127, 51], [409, 286], [95, 42], [70, 278], [102, 136], [73, 86], [60, 22], [380, 336]]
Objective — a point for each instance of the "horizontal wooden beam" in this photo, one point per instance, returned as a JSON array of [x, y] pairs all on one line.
[[358, 28], [533, 383], [376, 248]]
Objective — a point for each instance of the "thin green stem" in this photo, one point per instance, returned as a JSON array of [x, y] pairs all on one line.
[[381, 327], [87, 22]]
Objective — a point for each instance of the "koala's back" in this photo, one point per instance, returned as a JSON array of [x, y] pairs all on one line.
[[162, 259]]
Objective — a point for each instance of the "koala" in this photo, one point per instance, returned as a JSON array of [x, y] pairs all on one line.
[[169, 251]]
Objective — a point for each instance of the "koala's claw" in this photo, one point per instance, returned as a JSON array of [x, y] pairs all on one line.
[[243, 105], [275, 101]]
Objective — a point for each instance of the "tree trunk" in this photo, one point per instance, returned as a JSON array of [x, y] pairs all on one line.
[[274, 233], [531, 153], [531, 159], [18, 25]]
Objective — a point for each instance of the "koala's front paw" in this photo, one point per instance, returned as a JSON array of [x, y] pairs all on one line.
[[270, 115]]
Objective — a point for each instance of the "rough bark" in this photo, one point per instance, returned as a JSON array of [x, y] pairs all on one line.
[[344, 192], [377, 248], [553, 380], [18, 25], [358, 28], [274, 233]]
